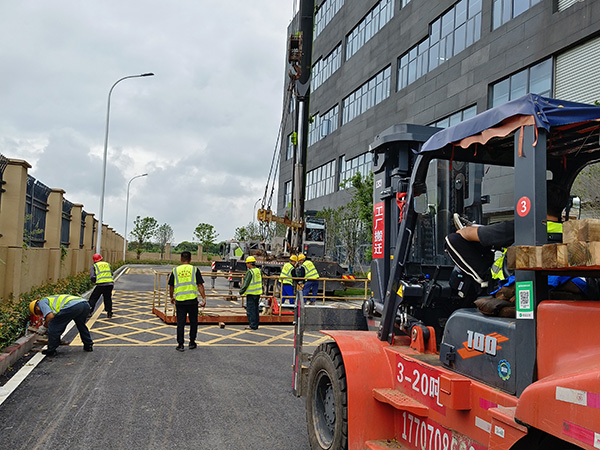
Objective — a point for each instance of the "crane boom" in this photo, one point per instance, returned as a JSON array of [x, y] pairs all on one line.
[[266, 215]]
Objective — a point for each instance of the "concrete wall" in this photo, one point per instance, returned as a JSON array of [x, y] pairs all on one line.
[[23, 268]]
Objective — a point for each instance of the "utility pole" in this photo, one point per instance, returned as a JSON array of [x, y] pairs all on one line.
[[303, 72]]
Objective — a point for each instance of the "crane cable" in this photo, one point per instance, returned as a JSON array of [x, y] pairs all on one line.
[[276, 152]]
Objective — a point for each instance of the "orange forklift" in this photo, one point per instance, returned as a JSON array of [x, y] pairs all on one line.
[[432, 372]]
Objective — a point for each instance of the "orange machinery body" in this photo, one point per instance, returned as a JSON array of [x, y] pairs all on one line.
[[402, 398]]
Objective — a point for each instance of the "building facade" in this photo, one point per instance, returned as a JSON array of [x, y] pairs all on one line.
[[377, 63]]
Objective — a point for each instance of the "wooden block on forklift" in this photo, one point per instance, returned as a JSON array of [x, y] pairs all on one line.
[[555, 256], [593, 254], [527, 256], [511, 258], [577, 253], [586, 230]]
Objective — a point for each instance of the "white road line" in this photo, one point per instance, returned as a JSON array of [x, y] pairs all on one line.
[[17, 378]]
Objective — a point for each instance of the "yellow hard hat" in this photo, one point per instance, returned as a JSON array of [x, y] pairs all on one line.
[[293, 257], [250, 259], [301, 256], [32, 307]]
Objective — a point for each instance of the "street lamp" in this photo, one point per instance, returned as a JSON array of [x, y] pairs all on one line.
[[99, 239], [127, 212]]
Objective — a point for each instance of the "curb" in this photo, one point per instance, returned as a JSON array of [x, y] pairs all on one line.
[[16, 351]]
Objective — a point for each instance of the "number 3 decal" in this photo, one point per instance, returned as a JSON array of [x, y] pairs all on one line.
[[523, 206]]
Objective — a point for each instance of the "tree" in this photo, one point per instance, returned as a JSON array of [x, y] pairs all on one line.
[[164, 236], [143, 230], [186, 246], [206, 234], [261, 231], [351, 226]]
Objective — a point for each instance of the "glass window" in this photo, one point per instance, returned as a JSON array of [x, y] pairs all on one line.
[[326, 67], [325, 13], [289, 151], [504, 10], [500, 92], [287, 196], [368, 95], [449, 34], [373, 21], [518, 85], [520, 6], [540, 78], [456, 118], [320, 181], [536, 79]]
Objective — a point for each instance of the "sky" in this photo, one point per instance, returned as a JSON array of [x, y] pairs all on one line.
[[204, 128]]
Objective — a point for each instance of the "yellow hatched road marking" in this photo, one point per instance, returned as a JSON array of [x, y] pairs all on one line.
[[134, 325]]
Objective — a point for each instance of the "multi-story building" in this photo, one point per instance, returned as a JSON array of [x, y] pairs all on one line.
[[377, 63]]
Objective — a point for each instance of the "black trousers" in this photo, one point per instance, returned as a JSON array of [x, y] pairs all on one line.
[[104, 290], [471, 257], [185, 308]]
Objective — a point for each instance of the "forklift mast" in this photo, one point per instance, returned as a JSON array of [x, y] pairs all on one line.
[[409, 242]]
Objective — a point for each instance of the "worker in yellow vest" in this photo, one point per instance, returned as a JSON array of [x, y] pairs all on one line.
[[101, 275], [252, 288], [185, 284], [287, 284], [311, 285], [58, 311]]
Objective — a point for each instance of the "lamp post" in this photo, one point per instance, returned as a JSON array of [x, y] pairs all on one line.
[[127, 213], [99, 239]]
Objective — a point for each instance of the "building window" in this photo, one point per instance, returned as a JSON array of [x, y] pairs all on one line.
[[564, 4], [535, 79], [320, 181], [325, 67], [449, 35], [456, 118], [504, 10], [374, 21], [324, 125], [405, 2], [325, 12], [368, 95], [287, 196], [360, 164], [289, 148]]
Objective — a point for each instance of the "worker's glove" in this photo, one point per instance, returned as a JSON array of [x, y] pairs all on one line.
[[42, 330]]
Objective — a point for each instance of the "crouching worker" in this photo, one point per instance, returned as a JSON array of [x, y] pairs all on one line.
[[58, 311]]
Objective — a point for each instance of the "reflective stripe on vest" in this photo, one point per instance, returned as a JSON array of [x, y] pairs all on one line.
[[185, 287], [498, 266], [103, 272], [255, 287], [56, 302], [286, 273], [311, 271]]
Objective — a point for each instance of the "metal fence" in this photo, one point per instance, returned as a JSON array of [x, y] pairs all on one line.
[[83, 216], [36, 206], [3, 164], [65, 225]]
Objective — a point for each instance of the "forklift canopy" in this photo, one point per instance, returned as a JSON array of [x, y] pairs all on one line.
[[531, 109]]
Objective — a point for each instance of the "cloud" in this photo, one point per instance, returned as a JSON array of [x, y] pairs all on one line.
[[204, 127]]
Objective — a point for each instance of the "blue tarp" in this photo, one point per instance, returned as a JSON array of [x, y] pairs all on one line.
[[547, 112]]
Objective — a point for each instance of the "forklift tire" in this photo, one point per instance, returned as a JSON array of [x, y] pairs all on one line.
[[327, 399]]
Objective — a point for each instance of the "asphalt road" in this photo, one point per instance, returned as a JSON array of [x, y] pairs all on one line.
[[144, 396]]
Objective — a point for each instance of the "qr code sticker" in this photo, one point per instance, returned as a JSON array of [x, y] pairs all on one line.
[[524, 300]]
